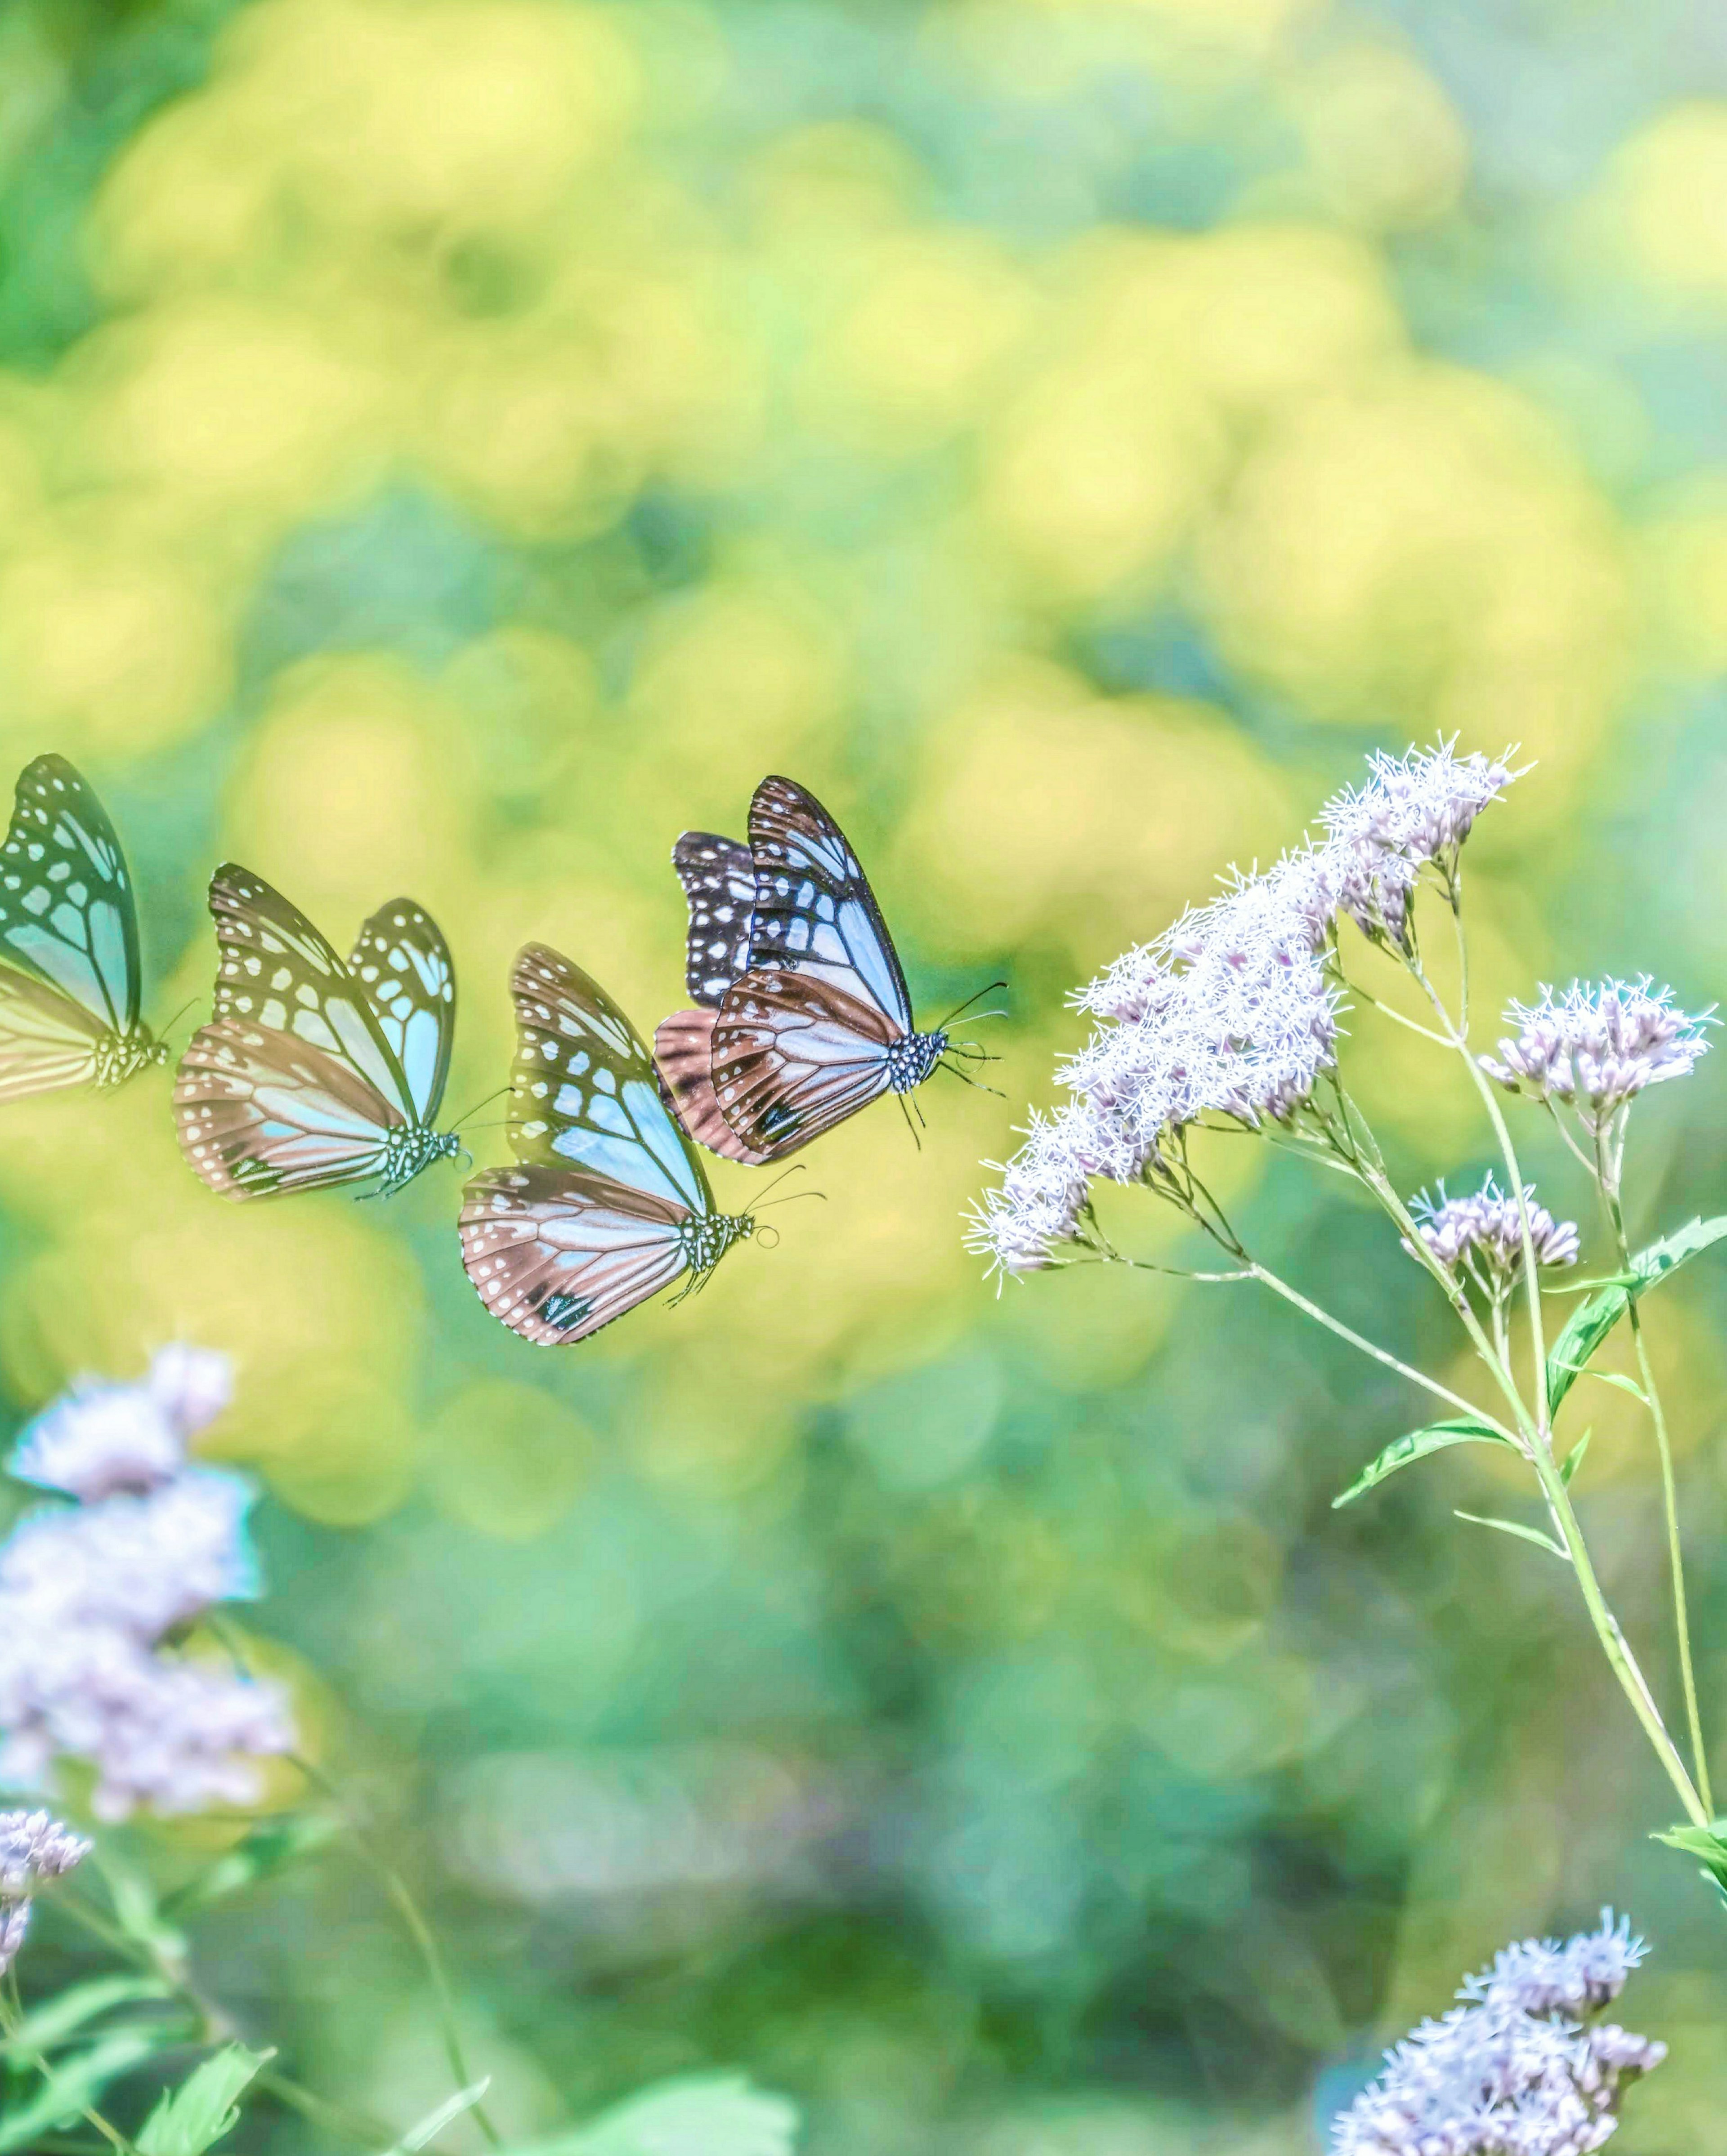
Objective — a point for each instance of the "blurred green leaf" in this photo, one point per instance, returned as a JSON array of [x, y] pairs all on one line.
[[1707, 1843], [434, 2122], [46, 2027], [1417, 1444], [194, 2116], [704, 2115], [1574, 1459], [136, 1910], [71, 2084], [1524, 1534], [1589, 1325], [265, 1851]]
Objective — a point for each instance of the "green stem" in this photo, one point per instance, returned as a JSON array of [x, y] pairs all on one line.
[[11, 2023], [1278, 1286], [1670, 1505], [421, 1932], [1540, 1431]]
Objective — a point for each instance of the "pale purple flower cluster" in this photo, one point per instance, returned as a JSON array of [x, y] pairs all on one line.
[[1519, 2068], [91, 1593], [1233, 1012], [1413, 809], [1597, 1047], [33, 1847], [1485, 1230]]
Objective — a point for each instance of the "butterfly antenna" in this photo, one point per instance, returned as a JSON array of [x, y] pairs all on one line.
[[790, 1197], [486, 1103], [178, 1016], [976, 1084], [910, 1125], [969, 1001], [799, 1167]]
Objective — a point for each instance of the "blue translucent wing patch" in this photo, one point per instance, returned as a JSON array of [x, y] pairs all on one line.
[[67, 910], [584, 1092], [403, 963], [814, 911]]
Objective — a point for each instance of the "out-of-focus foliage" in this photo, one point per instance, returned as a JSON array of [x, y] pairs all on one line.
[[452, 445]]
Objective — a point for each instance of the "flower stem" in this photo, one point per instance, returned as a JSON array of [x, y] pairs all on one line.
[[1670, 1502]]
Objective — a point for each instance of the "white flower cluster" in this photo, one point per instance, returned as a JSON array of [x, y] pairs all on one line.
[[1485, 1229], [1517, 2069], [1597, 1047], [33, 1847], [89, 1593], [1234, 1010]]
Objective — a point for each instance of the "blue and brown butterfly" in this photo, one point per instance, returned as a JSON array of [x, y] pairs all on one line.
[[802, 1015], [71, 974], [607, 1202], [317, 1071]]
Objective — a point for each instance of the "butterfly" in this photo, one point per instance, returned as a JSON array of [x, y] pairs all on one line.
[[608, 1203], [70, 976], [802, 1014], [312, 1071]]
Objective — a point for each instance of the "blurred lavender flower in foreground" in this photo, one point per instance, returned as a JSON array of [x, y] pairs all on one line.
[[1485, 1231], [1597, 1047], [1232, 1012], [90, 1592], [33, 1847], [1519, 2068]]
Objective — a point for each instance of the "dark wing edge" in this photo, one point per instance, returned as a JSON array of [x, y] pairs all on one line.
[[794, 1056], [522, 1231], [46, 787], [414, 1002], [259, 1113], [719, 876]]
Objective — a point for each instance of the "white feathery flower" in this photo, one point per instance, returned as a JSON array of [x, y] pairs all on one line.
[[1413, 809], [33, 1847], [1597, 1047], [1517, 2069], [91, 1593], [1042, 1191], [1486, 1228], [191, 1386]]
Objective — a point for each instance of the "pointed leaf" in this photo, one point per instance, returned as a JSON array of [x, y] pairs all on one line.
[[1705, 1843], [46, 2027], [1417, 1444], [700, 2115], [267, 1849], [434, 2122], [194, 2116], [1574, 1459], [1524, 1534], [1589, 1325], [72, 2083]]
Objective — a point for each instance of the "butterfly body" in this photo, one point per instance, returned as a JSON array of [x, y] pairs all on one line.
[[607, 1202], [70, 972], [317, 1071], [802, 1016]]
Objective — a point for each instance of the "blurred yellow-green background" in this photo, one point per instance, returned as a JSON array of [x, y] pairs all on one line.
[[451, 446]]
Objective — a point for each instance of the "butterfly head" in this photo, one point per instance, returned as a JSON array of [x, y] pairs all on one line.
[[912, 1057], [122, 1055], [410, 1148]]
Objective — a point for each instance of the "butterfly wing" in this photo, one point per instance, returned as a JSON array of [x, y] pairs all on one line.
[[261, 1112], [46, 1039], [814, 911], [67, 912], [683, 1049], [278, 973], [719, 880], [404, 965], [794, 1054], [556, 1253], [584, 1093]]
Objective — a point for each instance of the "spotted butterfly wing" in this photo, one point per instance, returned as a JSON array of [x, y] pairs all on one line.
[[819, 1022], [608, 1203], [719, 880], [299, 1083], [71, 981]]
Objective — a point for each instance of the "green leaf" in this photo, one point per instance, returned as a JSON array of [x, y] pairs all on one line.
[[702, 2115], [1574, 1459], [434, 2122], [266, 1850], [1707, 1844], [1524, 1534], [72, 2083], [1417, 1444], [1589, 1325], [194, 2116], [1620, 1382], [136, 1910], [46, 2027]]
